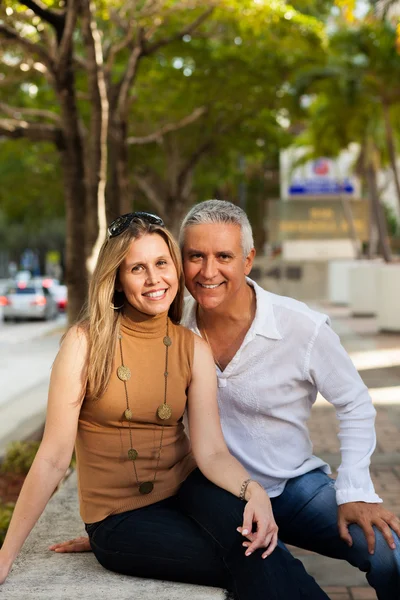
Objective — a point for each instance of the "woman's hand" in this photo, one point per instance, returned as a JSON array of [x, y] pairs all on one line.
[[258, 510], [213, 457], [5, 568], [78, 544]]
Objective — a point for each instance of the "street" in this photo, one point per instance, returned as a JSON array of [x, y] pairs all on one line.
[[27, 351]]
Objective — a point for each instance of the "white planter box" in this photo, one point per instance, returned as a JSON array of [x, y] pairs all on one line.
[[363, 288], [338, 280], [388, 310], [323, 250]]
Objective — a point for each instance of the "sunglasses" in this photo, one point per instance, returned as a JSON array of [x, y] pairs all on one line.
[[121, 224]]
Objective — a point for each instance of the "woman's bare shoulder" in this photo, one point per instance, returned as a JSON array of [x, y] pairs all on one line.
[[75, 340]]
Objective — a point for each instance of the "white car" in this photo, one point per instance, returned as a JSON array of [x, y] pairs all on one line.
[[28, 300], [60, 294]]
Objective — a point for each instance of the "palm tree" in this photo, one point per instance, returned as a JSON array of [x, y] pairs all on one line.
[[345, 110]]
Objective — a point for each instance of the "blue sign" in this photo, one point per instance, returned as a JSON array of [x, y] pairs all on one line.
[[319, 180], [320, 187]]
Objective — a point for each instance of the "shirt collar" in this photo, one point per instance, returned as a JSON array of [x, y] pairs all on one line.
[[264, 322]]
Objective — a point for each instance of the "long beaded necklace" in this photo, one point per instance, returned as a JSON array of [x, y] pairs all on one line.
[[164, 412]]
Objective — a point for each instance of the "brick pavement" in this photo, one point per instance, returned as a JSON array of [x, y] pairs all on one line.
[[380, 353]]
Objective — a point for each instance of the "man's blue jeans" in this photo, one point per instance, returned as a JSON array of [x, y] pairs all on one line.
[[306, 514]]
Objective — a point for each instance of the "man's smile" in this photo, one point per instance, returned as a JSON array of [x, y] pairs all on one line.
[[210, 286]]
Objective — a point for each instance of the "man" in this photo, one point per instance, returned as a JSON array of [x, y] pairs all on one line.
[[272, 356]]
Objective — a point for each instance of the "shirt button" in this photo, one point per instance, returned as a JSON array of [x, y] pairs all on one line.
[[221, 382]]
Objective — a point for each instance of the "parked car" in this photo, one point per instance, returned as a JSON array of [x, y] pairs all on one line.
[[28, 300], [23, 276], [59, 293], [47, 282]]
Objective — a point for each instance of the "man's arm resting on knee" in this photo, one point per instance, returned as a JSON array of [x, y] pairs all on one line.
[[336, 378]]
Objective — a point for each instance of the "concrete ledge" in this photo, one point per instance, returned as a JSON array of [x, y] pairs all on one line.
[[44, 575]]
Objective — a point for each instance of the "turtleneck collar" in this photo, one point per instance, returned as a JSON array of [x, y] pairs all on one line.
[[135, 322]]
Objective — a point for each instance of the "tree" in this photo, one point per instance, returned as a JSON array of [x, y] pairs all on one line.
[[344, 110], [375, 40], [81, 77], [64, 45], [237, 73], [374, 43]]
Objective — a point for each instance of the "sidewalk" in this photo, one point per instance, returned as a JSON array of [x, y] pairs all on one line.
[[377, 357]]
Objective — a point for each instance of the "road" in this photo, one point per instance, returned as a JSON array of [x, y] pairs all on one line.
[[27, 351]]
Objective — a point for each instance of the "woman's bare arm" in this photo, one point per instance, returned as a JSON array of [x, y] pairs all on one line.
[[213, 457], [66, 392]]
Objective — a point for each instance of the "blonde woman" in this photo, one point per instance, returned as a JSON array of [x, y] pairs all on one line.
[[118, 389]]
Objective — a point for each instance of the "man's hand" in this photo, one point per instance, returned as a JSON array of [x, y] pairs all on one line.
[[79, 544], [366, 515]]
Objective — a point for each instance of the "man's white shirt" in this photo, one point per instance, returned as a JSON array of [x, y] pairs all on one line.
[[266, 393]]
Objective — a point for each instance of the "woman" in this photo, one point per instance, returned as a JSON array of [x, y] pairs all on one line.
[[119, 386]]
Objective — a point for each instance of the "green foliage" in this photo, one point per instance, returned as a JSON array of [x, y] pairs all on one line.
[[31, 189], [31, 197], [18, 460], [238, 69], [368, 50], [6, 511], [19, 457], [321, 9], [359, 74], [392, 221], [238, 65]]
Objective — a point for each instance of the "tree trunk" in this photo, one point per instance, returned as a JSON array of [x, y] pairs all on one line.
[[75, 263], [391, 147], [113, 205], [176, 208], [75, 195], [121, 167], [378, 212], [93, 153], [348, 213], [373, 235], [97, 157]]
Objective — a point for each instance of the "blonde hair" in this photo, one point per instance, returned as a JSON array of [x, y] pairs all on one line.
[[100, 319]]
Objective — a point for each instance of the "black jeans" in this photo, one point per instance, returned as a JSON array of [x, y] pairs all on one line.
[[192, 538]]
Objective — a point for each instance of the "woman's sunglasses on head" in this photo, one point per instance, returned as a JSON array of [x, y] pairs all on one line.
[[121, 224]]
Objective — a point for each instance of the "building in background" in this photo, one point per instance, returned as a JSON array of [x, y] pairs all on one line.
[[320, 214]]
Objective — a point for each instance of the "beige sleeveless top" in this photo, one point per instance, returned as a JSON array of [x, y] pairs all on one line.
[[106, 479]]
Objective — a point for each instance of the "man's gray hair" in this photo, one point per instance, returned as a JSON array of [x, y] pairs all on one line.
[[219, 211]]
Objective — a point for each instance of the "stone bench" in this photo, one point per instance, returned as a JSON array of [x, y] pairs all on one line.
[[40, 574]]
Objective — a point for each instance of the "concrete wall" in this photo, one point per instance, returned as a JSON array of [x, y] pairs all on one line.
[[303, 280], [315, 250]]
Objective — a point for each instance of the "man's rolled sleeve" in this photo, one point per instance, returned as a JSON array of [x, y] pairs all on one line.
[[330, 369]]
